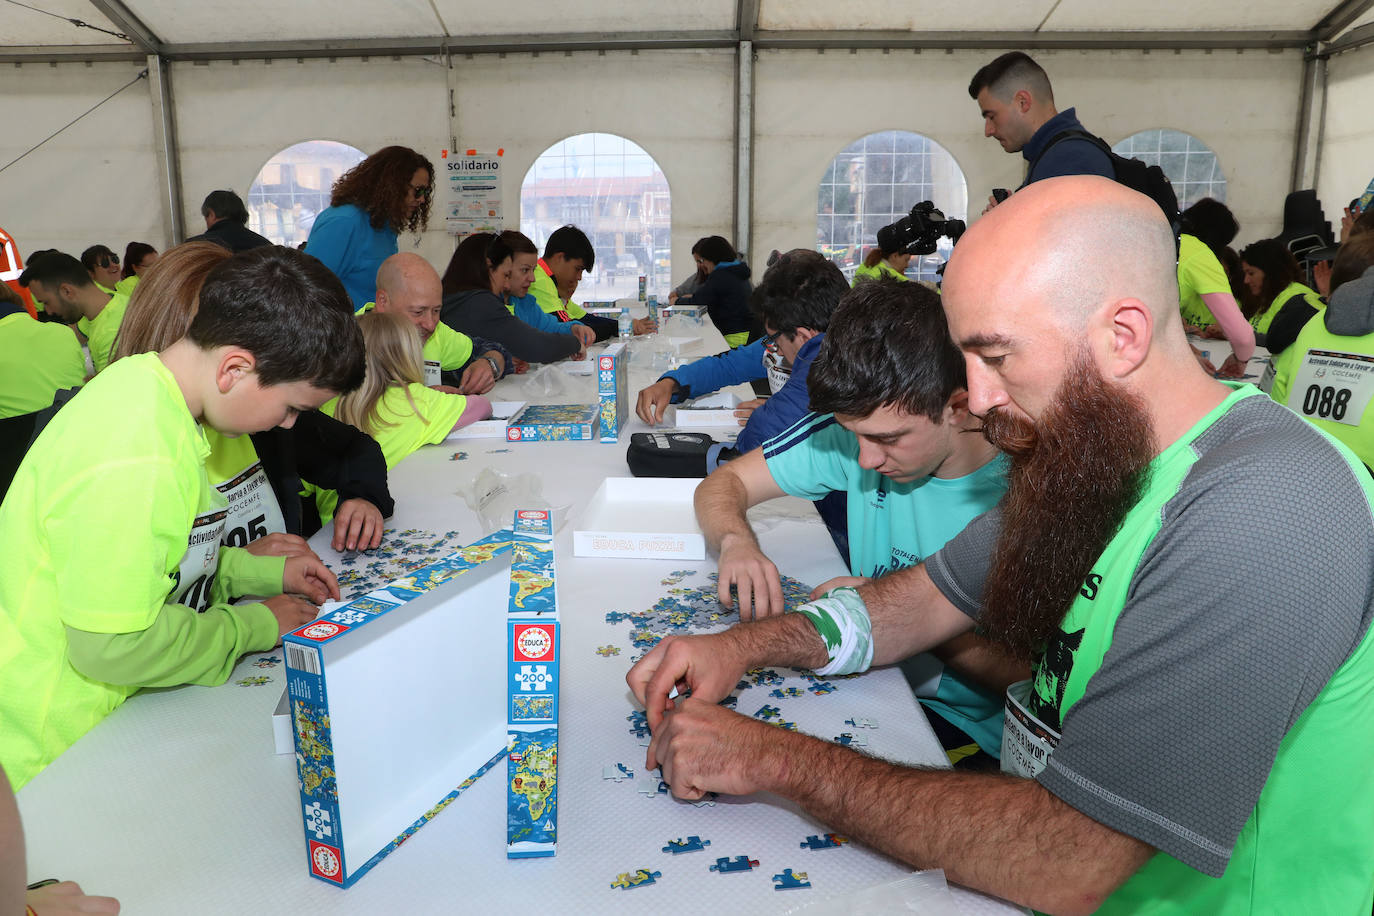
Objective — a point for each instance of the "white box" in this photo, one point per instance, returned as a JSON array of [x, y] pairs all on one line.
[[495, 428], [643, 518], [712, 411]]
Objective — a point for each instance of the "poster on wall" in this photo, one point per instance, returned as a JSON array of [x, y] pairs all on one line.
[[471, 191]]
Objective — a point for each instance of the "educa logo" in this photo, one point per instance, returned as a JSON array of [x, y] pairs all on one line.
[[534, 643], [533, 513]]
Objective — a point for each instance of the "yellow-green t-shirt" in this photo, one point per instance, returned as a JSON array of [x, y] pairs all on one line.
[[446, 349], [1199, 274], [545, 292], [94, 529], [100, 332], [878, 272], [37, 358], [1264, 319], [126, 285], [408, 431]]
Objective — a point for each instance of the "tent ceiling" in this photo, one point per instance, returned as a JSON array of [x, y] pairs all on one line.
[[248, 28]]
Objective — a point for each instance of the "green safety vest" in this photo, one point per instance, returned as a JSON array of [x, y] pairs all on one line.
[[1305, 847], [1328, 379], [1264, 319]]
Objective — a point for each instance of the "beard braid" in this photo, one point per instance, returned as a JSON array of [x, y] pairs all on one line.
[[1074, 475]]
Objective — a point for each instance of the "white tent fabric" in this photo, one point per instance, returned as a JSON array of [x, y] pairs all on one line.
[[719, 92]]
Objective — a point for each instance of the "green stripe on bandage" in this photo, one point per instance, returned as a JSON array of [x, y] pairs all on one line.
[[841, 619]]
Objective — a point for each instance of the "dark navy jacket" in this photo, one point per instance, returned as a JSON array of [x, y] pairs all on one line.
[[1076, 156]]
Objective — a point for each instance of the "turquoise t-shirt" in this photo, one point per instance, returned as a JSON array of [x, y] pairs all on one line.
[[894, 525]]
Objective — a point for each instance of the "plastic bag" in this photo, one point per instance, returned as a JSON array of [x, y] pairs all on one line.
[[494, 496]]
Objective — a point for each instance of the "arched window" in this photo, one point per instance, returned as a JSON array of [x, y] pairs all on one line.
[[614, 191], [293, 187], [875, 181], [1191, 166]]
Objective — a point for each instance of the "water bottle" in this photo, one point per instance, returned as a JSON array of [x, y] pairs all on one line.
[[625, 324]]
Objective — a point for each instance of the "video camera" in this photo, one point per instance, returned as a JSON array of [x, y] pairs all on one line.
[[919, 230]]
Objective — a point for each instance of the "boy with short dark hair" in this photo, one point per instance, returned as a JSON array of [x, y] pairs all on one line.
[[111, 573], [568, 254]]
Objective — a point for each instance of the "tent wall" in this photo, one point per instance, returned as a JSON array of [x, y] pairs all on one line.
[[1346, 165], [809, 106], [97, 181]]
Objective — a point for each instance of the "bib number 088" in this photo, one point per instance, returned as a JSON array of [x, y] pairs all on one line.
[[1326, 402]]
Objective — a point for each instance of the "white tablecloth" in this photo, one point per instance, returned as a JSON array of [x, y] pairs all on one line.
[[177, 804]]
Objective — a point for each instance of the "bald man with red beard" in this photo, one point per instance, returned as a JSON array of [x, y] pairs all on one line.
[[1188, 570]]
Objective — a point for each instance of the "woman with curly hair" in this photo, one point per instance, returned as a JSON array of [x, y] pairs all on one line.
[[372, 203]]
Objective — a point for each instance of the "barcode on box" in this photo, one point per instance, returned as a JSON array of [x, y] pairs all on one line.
[[302, 658]]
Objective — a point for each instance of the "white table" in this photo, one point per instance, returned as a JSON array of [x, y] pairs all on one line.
[[176, 803]]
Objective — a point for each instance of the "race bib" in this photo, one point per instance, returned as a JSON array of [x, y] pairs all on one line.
[[432, 373], [195, 575], [778, 374], [1333, 386], [253, 508], [1026, 741]]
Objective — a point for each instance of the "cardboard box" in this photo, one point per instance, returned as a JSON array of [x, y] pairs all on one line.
[[553, 422], [532, 684], [642, 518], [612, 367], [494, 428], [388, 728]]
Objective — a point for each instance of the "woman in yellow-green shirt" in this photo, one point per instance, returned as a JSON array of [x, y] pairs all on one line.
[[1275, 302]]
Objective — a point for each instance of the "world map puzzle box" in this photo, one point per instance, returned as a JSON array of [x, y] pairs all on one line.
[[378, 757]]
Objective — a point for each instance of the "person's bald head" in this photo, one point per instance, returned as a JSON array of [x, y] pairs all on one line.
[[409, 286], [1060, 266]]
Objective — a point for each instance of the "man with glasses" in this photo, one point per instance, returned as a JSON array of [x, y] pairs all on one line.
[[794, 299]]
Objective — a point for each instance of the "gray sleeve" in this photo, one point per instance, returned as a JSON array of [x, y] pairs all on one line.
[[1255, 590], [959, 568]]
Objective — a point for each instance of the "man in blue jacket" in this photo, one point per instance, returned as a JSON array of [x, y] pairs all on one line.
[[1016, 100], [795, 300]]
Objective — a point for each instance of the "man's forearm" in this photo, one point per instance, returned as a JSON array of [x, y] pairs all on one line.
[[909, 615], [788, 641], [999, 834], [721, 502]]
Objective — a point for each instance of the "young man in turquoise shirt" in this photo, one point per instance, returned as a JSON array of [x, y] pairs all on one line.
[[893, 432]]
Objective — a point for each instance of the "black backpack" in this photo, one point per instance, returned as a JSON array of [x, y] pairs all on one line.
[[1149, 180]]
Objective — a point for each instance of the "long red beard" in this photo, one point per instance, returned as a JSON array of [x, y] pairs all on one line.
[[1074, 475]]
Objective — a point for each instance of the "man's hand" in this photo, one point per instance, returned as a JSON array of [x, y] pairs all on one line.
[[309, 577], [837, 582], [291, 612], [709, 666], [754, 577], [446, 389], [704, 748], [280, 544], [1232, 368], [992, 202], [477, 378], [357, 525], [654, 400], [585, 335], [746, 409], [520, 367], [672, 298], [645, 326], [67, 899]]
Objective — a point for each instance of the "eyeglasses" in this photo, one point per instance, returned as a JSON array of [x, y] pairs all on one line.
[[110, 261], [421, 192]]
